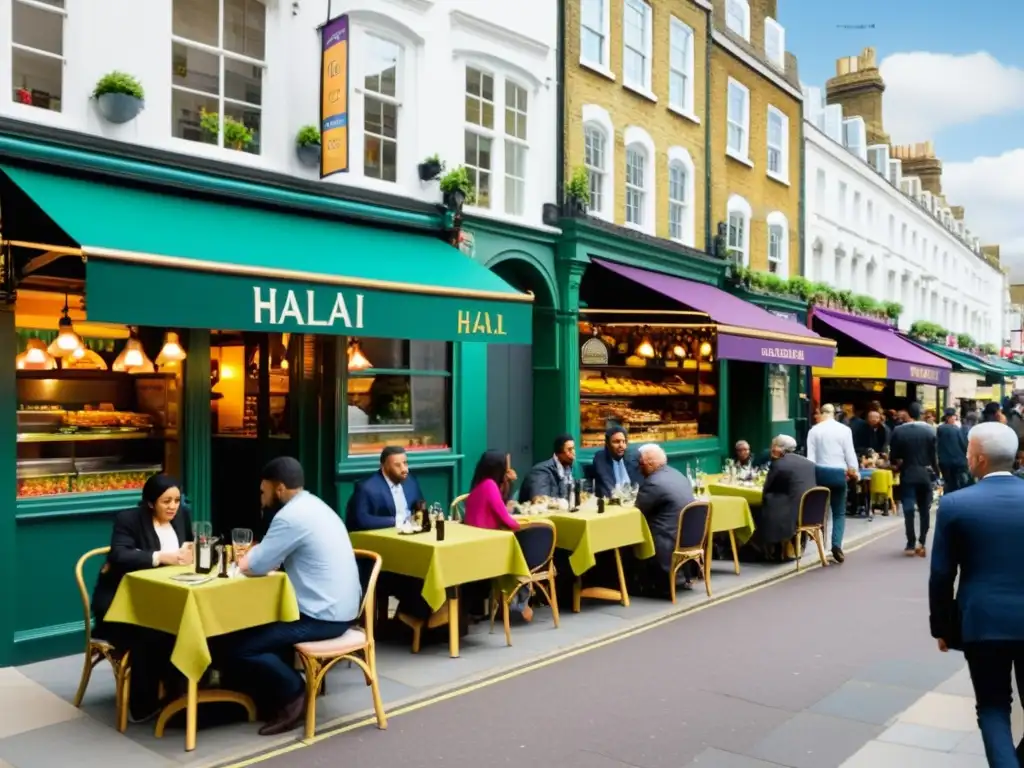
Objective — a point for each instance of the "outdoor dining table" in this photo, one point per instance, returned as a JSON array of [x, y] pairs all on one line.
[[586, 532], [194, 613], [730, 513], [467, 554]]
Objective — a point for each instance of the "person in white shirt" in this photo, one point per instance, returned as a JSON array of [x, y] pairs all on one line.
[[830, 447]]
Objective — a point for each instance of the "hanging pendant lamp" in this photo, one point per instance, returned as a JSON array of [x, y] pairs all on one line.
[[356, 359], [67, 340], [133, 357], [172, 352], [35, 357]]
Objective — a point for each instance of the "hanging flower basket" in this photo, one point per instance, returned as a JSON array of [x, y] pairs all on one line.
[[119, 97]]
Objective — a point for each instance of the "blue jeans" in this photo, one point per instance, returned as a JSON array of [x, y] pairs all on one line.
[[834, 478], [266, 652], [990, 664]]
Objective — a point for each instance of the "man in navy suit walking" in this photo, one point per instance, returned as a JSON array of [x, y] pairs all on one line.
[[980, 533]]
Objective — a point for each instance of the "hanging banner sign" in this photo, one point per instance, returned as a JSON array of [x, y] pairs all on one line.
[[334, 36]]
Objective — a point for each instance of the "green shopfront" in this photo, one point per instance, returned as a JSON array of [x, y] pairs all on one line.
[[649, 337], [163, 319]]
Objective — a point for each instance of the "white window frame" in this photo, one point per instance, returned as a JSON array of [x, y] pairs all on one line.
[[483, 131], [738, 11], [679, 159], [740, 123], [521, 142], [222, 54], [775, 38], [602, 67], [681, 32], [359, 82], [597, 118], [738, 207], [644, 88], [777, 221], [61, 57], [638, 139], [781, 176]]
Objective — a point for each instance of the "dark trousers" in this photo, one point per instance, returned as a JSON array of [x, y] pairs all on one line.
[[916, 496], [954, 477], [990, 665], [150, 660], [265, 655]]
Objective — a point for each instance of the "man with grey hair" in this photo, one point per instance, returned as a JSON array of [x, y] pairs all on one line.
[[789, 477], [830, 446], [741, 452], [979, 532], [663, 494]]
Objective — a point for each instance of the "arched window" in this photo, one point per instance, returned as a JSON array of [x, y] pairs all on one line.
[[599, 159], [737, 17], [639, 180], [739, 215], [680, 196]]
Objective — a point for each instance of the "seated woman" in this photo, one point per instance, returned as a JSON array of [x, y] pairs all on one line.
[[485, 508], [155, 533]]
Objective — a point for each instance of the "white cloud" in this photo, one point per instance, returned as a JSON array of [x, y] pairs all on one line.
[[926, 92], [991, 190]]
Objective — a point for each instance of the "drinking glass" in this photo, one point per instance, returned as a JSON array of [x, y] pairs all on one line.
[[241, 541], [436, 511], [586, 491], [202, 531]]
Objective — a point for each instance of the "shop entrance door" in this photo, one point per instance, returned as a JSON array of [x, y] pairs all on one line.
[[510, 403], [252, 422]]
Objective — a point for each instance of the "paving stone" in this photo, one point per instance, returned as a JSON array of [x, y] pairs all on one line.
[[867, 702], [716, 758], [809, 740], [878, 754], [923, 736], [940, 710], [26, 705], [79, 743]]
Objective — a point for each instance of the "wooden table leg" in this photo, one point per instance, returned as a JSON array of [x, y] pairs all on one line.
[[190, 703], [453, 621], [191, 715], [623, 588], [620, 595], [735, 551]]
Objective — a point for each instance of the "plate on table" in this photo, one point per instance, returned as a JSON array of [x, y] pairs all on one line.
[[192, 579]]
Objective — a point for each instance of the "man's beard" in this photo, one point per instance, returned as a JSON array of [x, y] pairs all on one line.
[[274, 507]]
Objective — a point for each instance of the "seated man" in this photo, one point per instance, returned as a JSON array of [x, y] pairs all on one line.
[[663, 494], [552, 476], [744, 460], [790, 476], [615, 464], [385, 498], [310, 541]]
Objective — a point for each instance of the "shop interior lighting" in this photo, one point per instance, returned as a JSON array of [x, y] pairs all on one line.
[[356, 359], [67, 340], [172, 352], [645, 348], [133, 357], [35, 357]]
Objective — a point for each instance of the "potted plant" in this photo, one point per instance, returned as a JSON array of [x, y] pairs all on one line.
[[457, 189], [965, 341], [893, 310], [307, 145], [430, 168], [577, 193], [119, 96], [236, 134]]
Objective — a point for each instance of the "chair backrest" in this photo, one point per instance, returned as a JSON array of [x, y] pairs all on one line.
[[83, 590], [458, 507], [694, 525], [537, 540], [814, 506], [366, 610]]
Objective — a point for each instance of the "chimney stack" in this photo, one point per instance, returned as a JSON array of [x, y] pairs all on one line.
[[858, 88], [920, 160]]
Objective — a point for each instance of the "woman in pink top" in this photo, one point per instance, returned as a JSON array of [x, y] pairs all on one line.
[[485, 508]]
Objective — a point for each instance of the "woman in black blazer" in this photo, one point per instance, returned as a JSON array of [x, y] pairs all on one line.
[[155, 533]]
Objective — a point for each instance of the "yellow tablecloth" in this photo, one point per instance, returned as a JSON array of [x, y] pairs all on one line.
[[466, 554], [585, 533], [732, 513], [753, 495], [193, 613]]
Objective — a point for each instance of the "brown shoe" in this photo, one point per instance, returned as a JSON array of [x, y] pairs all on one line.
[[909, 552], [288, 719], [921, 552]]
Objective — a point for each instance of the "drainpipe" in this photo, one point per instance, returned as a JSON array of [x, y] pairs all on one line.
[[708, 235], [560, 113], [802, 206]]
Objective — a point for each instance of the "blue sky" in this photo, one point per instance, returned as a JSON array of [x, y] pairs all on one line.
[[906, 26]]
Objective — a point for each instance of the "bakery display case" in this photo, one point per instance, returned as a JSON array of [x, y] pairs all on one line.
[[91, 431], [659, 383]]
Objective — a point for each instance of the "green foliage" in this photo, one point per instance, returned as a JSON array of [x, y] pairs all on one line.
[[965, 341], [578, 187], [236, 134], [989, 349], [119, 82], [866, 304], [308, 135], [800, 287], [775, 284], [458, 179], [893, 309], [926, 331]]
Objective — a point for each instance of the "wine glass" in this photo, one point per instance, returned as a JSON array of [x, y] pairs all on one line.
[[241, 541], [202, 531], [436, 511]]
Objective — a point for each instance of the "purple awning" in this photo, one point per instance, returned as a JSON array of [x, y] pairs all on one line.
[[907, 361], [771, 339]]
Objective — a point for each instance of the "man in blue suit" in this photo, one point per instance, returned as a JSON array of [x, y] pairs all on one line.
[[386, 498], [615, 464], [980, 533]]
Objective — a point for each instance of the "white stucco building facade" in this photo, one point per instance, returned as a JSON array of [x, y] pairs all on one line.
[[473, 82], [872, 230]]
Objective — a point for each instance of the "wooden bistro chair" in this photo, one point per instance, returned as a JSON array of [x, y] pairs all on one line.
[[355, 646], [881, 484], [457, 509], [537, 539], [692, 537], [98, 650], [814, 506]]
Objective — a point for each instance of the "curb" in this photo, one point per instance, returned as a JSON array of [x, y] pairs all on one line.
[[489, 677]]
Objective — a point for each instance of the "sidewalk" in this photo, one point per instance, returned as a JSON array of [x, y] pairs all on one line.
[[41, 729]]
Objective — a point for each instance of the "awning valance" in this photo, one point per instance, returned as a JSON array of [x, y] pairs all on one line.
[[171, 261], [745, 331], [904, 360]]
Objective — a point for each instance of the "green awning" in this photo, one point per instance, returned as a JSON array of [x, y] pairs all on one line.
[[167, 260], [962, 361], [1005, 367]]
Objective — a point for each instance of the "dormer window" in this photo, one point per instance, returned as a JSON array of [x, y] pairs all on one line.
[[737, 17]]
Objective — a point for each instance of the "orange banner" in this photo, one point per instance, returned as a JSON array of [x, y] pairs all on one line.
[[334, 97]]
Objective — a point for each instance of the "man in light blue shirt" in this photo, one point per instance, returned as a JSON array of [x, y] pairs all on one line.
[[309, 540]]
